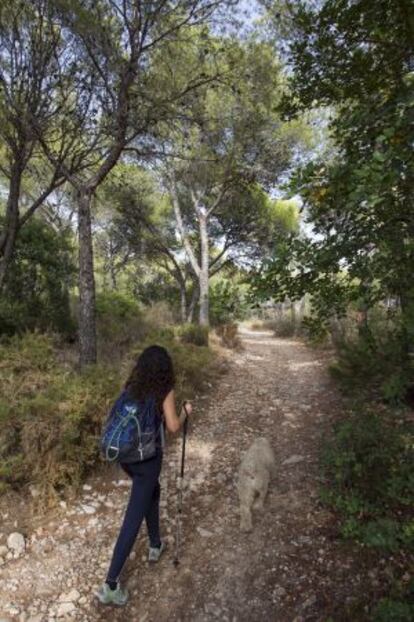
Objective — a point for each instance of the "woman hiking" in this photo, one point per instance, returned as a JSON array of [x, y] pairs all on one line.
[[152, 378]]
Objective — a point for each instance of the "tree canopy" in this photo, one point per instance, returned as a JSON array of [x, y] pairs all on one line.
[[356, 59]]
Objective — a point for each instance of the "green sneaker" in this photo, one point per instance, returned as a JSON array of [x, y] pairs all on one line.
[[106, 596], [155, 553]]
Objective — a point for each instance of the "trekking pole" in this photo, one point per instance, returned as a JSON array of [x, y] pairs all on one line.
[[180, 492]]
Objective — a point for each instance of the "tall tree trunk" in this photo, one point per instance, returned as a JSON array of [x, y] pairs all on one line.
[[183, 303], [204, 271], [193, 303], [11, 225], [204, 303], [87, 326]]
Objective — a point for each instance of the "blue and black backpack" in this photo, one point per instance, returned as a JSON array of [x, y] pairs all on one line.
[[133, 430]]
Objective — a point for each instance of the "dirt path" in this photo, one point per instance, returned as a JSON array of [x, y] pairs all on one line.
[[290, 568]]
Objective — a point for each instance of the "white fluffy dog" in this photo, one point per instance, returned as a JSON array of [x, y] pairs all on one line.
[[255, 470]]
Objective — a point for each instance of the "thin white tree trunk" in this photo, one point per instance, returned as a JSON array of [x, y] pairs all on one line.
[[193, 302], [204, 271], [183, 302]]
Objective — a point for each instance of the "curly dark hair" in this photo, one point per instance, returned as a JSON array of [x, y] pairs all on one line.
[[152, 375]]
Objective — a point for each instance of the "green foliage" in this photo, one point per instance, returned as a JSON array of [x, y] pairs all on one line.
[[358, 198], [234, 145], [389, 610], [285, 212], [194, 333], [285, 320], [302, 267], [227, 302], [137, 240], [50, 415], [36, 292], [369, 468], [155, 286], [362, 66], [13, 316], [119, 307], [120, 323], [398, 606], [354, 60], [393, 611], [375, 362]]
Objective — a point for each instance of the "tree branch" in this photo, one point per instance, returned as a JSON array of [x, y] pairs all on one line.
[[220, 267], [228, 244], [54, 184], [181, 228]]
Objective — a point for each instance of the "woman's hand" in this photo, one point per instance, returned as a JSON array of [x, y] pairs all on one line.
[[173, 421], [187, 407]]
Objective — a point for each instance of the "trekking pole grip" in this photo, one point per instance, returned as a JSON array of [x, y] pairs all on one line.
[[185, 424]]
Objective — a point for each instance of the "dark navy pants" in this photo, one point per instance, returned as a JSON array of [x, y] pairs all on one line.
[[144, 502]]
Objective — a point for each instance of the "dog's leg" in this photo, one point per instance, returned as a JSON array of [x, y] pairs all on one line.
[[245, 519], [246, 495], [259, 503]]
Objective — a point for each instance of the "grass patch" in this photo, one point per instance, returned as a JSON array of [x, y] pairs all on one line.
[[194, 334]]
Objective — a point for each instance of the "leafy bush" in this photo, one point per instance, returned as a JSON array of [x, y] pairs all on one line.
[[227, 302], [13, 316], [51, 417], [120, 323], [389, 610], [369, 467], [398, 605], [376, 362], [36, 290], [194, 333]]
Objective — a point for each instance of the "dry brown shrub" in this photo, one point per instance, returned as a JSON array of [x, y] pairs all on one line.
[[229, 336]]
